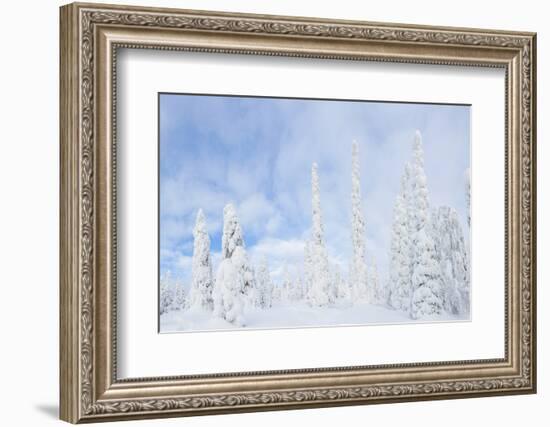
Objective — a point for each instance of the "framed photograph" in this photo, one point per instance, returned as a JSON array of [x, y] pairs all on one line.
[[265, 212], [287, 173]]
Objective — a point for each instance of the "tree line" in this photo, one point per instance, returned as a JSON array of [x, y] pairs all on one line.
[[428, 269]]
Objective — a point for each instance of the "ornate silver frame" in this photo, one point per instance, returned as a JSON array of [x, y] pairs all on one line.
[[90, 36]]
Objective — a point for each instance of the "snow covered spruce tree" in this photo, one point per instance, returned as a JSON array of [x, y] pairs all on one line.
[[294, 290], [467, 240], [400, 248], [167, 294], [467, 178], [379, 292], [299, 293], [286, 285], [358, 276], [180, 297], [264, 285], [308, 270], [200, 295], [276, 295], [321, 291], [172, 294], [234, 288], [246, 271], [453, 259], [427, 286], [343, 290]]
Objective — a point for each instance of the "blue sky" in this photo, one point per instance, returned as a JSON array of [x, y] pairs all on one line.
[[257, 153]]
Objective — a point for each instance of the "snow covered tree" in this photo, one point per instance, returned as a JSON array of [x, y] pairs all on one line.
[[343, 289], [200, 295], [408, 198], [320, 289], [467, 243], [264, 285], [285, 285], [179, 301], [228, 301], [427, 287], [468, 192], [453, 259], [232, 236], [399, 294], [428, 292], [294, 291], [244, 267], [166, 294], [277, 294], [299, 293], [235, 285], [358, 268], [379, 291], [172, 294], [419, 189], [308, 271], [233, 247]]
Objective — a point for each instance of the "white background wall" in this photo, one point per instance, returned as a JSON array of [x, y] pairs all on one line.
[[29, 171]]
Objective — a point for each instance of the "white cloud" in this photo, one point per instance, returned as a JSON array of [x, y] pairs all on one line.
[[257, 214], [278, 248]]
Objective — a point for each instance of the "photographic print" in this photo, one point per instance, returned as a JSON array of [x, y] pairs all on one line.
[[287, 212]]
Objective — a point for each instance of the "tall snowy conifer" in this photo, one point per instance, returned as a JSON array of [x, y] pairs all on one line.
[[379, 294], [427, 286], [467, 178], [235, 284], [467, 240], [264, 285], [419, 191], [232, 236], [321, 292], [358, 268], [308, 270], [286, 285], [201, 281], [400, 250]]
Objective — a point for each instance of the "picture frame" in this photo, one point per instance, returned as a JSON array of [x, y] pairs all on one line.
[[92, 36]]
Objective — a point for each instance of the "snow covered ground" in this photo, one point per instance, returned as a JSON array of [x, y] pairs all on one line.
[[292, 316]]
